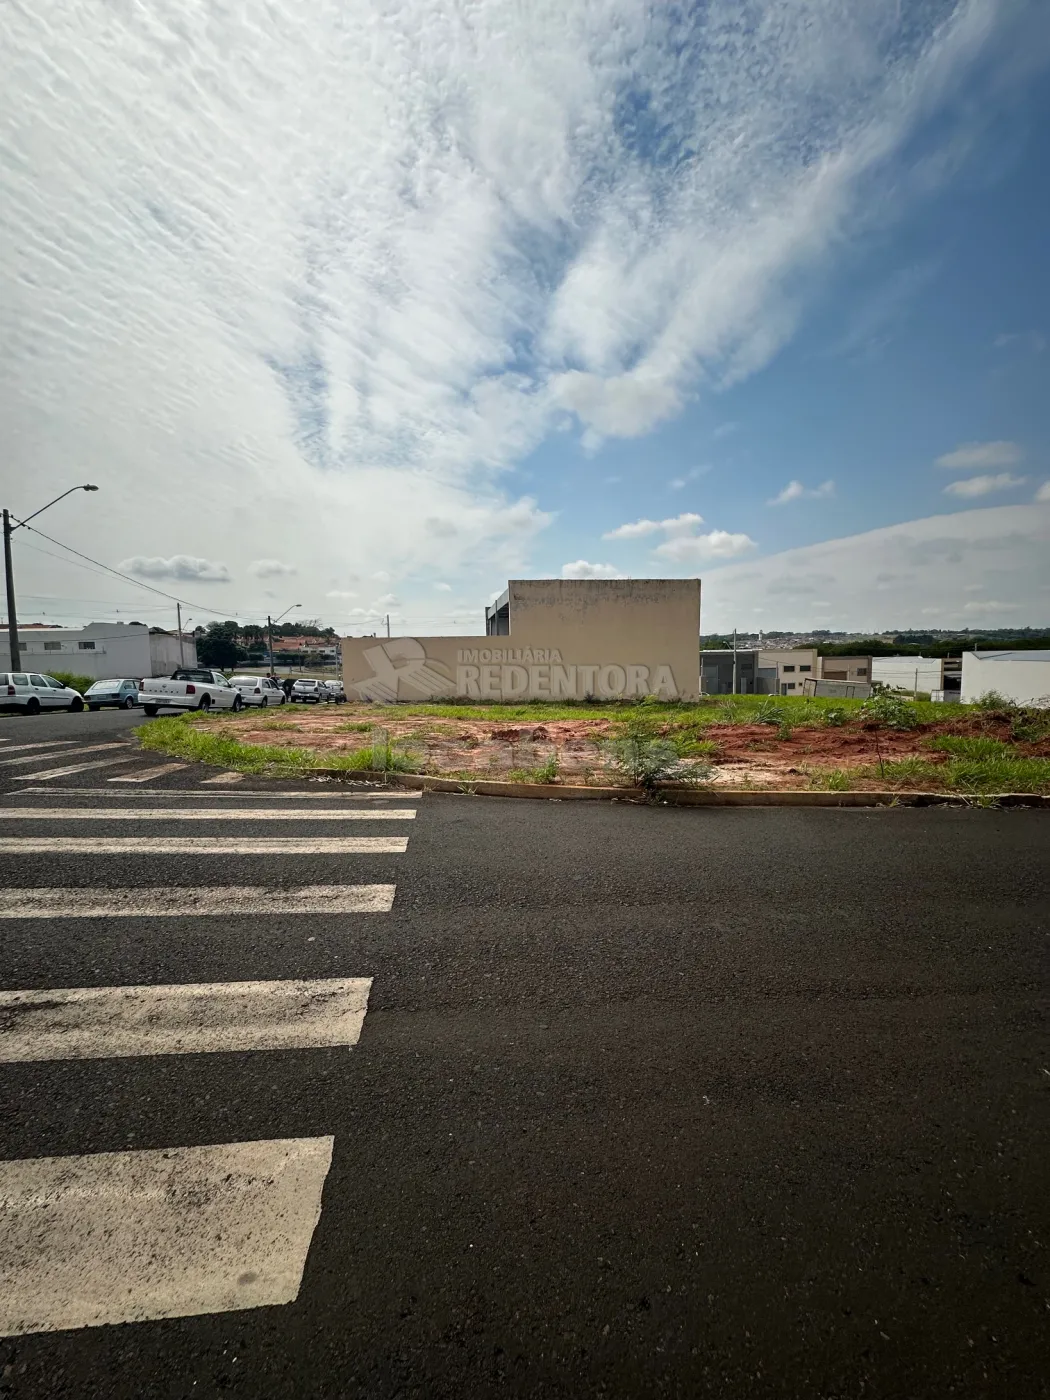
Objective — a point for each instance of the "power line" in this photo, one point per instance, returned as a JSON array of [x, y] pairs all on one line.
[[126, 577]]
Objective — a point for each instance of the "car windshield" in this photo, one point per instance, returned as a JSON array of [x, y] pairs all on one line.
[[106, 685]]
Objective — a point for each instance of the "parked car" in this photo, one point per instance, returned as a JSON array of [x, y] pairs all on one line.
[[312, 692], [122, 693], [335, 689], [189, 690], [31, 693], [258, 690]]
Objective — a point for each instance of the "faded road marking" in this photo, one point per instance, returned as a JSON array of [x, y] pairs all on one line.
[[203, 845], [164, 900], [99, 1023], [225, 778], [64, 772], [128, 1236], [150, 773], [202, 814]]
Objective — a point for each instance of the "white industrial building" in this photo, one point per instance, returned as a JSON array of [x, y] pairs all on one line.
[[1020, 676], [101, 650], [912, 673]]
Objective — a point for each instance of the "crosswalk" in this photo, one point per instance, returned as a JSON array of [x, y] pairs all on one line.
[[100, 1238]]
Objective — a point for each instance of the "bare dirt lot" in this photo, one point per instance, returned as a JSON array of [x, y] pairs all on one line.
[[576, 750]]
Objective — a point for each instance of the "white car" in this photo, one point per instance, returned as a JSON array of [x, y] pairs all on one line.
[[31, 693], [258, 690], [189, 690], [335, 689], [122, 693], [312, 692]]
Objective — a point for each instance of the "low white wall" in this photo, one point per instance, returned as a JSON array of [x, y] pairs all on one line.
[[1023, 682]]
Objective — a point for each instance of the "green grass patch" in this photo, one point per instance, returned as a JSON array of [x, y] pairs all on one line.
[[75, 682], [967, 746], [180, 738]]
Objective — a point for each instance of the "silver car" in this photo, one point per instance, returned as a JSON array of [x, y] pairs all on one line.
[[312, 692], [258, 690]]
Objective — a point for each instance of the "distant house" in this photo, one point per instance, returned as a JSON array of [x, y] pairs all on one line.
[[101, 650]]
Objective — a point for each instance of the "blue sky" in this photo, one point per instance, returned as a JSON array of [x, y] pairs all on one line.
[[370, 309]]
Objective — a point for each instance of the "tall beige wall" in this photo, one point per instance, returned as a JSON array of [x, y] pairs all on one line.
[[568, 639]]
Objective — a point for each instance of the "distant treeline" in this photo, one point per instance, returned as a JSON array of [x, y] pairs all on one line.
[[904, 643]]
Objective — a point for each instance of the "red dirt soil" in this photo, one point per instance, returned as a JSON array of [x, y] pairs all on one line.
[[747, 754]]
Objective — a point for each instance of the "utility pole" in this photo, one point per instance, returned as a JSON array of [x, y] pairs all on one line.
[[269, 633], [734, 662], [388, 624], [9, 573], [182, 654]]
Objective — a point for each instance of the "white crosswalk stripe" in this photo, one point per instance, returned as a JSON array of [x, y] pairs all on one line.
[[149, 773], [167, 900], [99, 1023], [204, 814], [117, 1237], [68, 751], [340, 794], [65, 772], [203, 845], [48, 744]]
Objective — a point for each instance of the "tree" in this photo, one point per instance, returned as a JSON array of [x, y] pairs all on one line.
[[218, 647]]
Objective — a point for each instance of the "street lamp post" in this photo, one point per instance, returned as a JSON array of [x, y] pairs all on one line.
[[270, 624], [9, 571]]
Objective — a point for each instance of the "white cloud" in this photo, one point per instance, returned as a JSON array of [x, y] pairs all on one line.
[[795, 491], [1043, 494], [693, 474], [183, 567], [340, 593], [362, 265], [883, 578], [975, 456], [580, 568], [725, 429], [1033, 341], [443, 587], [983, 485], [271, 568], [718, 544], [678, 525], [991, 607]]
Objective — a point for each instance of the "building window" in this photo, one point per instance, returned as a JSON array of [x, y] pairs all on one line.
[[86, 646], [789, 668], [52, 646], [862, 670], [805, 668], [791, 685]]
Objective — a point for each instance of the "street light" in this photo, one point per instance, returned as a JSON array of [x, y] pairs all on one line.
[[9, 529], [271, 623]]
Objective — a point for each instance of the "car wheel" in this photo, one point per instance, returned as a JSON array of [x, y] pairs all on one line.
[[76, 706], [150, 710], [32, 706], [238, 704], [93, 708], [204, 703], [127, 703], [265, 701]]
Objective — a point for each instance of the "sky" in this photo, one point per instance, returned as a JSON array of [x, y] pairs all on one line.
[[368, 307]]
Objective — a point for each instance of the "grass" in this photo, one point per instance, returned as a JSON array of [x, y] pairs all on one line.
[[182, 739], [992, 772], [74, 681]]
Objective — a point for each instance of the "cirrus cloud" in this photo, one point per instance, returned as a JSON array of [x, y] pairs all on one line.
[[795, 491]]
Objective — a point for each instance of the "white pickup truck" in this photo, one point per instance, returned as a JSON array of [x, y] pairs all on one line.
[[189, 690]]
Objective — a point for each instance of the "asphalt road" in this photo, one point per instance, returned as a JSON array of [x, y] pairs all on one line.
[[646, 1102]]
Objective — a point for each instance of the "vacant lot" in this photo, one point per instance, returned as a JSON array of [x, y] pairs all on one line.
[[734, 742]]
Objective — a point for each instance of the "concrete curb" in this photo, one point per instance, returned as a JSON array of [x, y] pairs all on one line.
[[686, 797]]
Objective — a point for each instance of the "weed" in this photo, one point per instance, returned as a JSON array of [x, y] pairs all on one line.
[[967, 746], [831, 780], [545, 773], [74, 681], [178, 737], [890, 711], [835, 716], [352, 727]]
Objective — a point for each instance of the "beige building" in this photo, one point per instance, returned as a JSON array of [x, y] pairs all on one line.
[[846, 668], [550, 639], [793, 668]]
